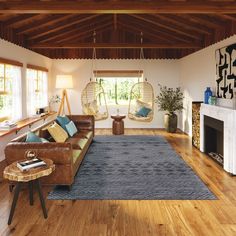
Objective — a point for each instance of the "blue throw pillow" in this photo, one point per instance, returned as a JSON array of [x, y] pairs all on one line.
[[71, 128], [33, 138], [143, 111], [63, 121]]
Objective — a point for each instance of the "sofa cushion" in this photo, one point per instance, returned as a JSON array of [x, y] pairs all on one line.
[[84, 134], [71, 129], [76, 154], [77, 143], [58, 133], [63, 121]]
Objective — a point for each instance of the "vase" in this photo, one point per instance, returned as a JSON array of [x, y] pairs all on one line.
[[170, 122], [207, 94], [212, 100]]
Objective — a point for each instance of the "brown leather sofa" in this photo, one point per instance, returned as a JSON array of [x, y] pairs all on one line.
[[67, 156]]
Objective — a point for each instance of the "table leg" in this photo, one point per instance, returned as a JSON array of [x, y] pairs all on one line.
[[31, 196], [15, 198], [41, 198]]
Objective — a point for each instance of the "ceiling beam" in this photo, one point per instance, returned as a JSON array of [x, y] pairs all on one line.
[[160, 24], [46, 21], [55, 28], [118, 7], [75, 32], [113, 45], [142, 26]]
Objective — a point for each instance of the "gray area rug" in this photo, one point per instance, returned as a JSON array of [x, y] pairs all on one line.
[[133, 167]]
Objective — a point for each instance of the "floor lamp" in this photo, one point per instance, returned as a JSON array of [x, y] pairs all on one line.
[[64, 82]]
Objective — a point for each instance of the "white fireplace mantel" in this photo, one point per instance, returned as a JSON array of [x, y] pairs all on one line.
[[228, 116]]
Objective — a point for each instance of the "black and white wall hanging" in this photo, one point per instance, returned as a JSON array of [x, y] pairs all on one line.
[[226, 71]]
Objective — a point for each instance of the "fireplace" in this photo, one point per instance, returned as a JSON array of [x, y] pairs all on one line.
[[223, 121], [214, 138]]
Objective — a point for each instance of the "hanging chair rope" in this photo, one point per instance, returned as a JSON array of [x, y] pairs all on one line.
[[93, 98], [141, 103]]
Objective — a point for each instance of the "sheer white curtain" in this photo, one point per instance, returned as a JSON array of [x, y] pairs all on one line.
[[16, 108], [37, 90]]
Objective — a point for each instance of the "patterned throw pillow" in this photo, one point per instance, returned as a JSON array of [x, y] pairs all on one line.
[[58, 133], [71, 128]]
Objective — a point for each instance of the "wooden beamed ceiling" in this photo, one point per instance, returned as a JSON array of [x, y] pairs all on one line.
[[64, 29]]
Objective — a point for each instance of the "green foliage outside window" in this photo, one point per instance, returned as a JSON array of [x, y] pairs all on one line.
[[117, 90]]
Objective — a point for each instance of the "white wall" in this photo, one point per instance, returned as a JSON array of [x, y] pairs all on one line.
[[165, 72], [11, 51], [197, 71], [25, 56]]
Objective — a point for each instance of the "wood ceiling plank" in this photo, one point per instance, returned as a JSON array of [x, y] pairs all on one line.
[[115, 45], [200, 20], [46, 21], [20, 19], [71, 31], [161, 24], [164, 31], [147, 33], [119, 7], [78, 35], [228, 17], [54, 28], [84, 36], [172, 19]]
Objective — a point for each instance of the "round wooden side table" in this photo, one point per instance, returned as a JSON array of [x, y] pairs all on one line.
[[32, 176], [118, 124]]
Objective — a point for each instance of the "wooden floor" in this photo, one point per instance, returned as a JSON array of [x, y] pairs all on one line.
[[91, 218]]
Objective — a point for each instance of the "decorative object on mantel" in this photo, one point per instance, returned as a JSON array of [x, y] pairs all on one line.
[[207, 94], [64, 82], [226, 71], [170, 100], [212, 100]]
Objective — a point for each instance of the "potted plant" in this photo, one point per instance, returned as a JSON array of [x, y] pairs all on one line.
[[171, 101]]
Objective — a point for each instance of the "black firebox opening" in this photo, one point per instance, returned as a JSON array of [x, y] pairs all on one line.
[[214, 138]]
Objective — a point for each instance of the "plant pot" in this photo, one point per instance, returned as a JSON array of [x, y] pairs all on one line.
[[170, 122]]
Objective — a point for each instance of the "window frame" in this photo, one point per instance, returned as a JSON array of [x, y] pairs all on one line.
[[37, 70], [6, 62], [116, 74]]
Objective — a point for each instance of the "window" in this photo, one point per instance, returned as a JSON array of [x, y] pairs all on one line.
[[37, 87], [117, 85], [10, 91]]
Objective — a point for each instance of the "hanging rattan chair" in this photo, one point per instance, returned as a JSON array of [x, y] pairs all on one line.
[[141, 103], [94, 101], [93, 98]]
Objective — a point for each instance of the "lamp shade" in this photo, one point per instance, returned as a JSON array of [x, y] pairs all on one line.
[[64, 82]]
